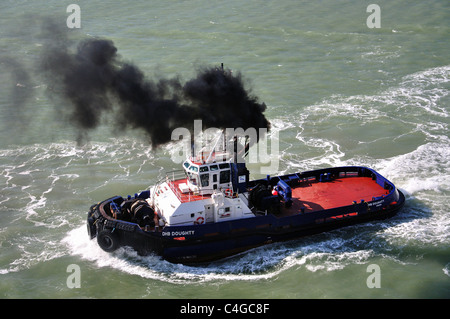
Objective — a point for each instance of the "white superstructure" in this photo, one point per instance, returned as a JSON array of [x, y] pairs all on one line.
[[200, 193]]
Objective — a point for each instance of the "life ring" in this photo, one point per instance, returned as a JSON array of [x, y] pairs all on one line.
[[228, 192], [200, 220]]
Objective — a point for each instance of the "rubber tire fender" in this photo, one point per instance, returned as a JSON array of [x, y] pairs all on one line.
[[91, 228], [108, 241]]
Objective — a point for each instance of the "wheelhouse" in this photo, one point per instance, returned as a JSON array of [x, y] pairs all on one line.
[[205, 178]]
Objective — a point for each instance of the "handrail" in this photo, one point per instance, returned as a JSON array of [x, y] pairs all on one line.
[[174, 189], [170, 178]]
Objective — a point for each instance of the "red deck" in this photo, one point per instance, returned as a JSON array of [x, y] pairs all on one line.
[[314, 196]]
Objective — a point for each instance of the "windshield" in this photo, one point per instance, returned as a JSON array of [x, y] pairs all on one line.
[[192, 177]]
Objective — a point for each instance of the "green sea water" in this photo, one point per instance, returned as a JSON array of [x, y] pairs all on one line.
[[337, 93]]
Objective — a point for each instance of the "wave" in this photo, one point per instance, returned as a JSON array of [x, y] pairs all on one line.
[[412, 117], [39, 177], [446, 269], [46, 186], [30, 250]]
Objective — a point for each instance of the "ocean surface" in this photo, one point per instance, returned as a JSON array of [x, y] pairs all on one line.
[[337, 93]]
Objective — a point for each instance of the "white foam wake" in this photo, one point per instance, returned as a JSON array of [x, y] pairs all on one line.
[[326, 254]]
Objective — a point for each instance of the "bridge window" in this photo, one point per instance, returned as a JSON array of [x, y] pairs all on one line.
[[224, 177], [204, 178], [193, 168]]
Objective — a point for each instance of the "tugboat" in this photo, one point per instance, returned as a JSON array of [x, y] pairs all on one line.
[[211, 209]]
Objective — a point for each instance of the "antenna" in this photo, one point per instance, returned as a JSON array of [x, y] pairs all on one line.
[[213, 150]]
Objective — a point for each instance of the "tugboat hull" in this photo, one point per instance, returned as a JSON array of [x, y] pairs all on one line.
[[305, 204]]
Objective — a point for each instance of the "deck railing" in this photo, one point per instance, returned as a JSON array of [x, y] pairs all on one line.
[[177, 176]]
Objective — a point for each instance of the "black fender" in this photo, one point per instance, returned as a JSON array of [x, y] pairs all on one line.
[[91, 227], [108, 240]]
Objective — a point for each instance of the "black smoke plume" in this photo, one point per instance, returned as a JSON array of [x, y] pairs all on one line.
[[96, 82]]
